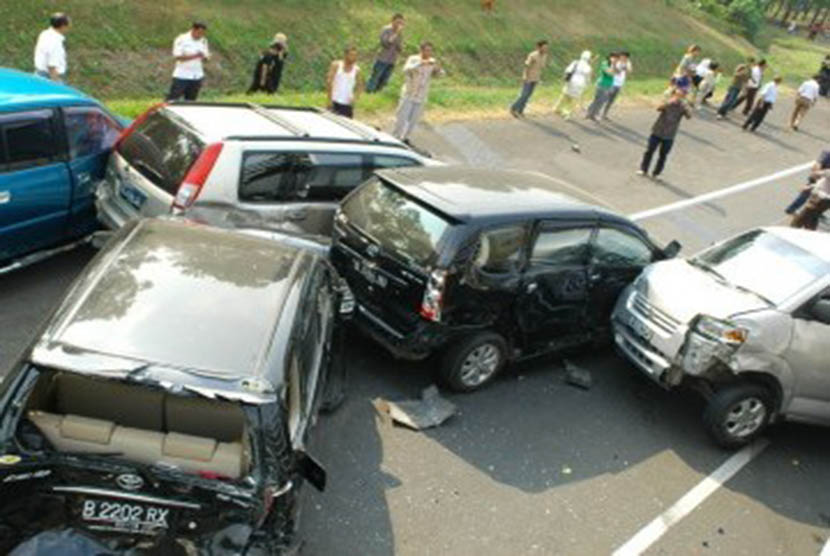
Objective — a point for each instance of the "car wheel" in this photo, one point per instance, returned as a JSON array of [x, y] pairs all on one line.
[[473, 362], [737, 414]]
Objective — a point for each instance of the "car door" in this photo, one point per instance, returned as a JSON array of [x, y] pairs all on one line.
[[807, 358], [35, 187], [90, 135], [618, 255], [554, 294]]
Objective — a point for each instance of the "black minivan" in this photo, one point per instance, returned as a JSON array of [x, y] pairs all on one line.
[[482, 267]]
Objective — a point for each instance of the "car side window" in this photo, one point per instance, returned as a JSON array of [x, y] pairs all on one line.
[[616, 248], [29, 139], [89, 131], [274, 176], [565, 247], [819, 310], [380, 161], [334, 175], [500, 251]]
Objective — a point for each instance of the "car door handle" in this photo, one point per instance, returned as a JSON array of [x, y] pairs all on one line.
[[5, 197], [594, 277], [532, 287]]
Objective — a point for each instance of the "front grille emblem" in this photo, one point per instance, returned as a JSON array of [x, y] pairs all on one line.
[[129, 481]]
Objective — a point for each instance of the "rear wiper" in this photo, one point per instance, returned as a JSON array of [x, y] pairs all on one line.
[[141, 164]]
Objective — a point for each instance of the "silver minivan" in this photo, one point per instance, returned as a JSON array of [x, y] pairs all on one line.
[[747, 321]]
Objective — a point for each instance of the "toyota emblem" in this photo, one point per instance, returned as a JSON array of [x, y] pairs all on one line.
[[129, 481]]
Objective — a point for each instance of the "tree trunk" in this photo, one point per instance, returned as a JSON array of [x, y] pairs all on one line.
[[826, 13], [815, 15], [778, 9], [788, 13]]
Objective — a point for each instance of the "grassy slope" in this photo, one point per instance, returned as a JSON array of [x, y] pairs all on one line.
[[119, 49]]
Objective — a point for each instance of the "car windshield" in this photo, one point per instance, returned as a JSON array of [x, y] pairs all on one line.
[[765, 264], [396, 222]]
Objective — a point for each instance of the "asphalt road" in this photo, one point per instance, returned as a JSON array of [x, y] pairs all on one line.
[[532, 465]]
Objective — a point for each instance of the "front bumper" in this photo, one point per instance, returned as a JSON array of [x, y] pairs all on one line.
[[645, 357], [414, 345]]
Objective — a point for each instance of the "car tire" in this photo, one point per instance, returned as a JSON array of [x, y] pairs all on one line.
[[737, 414], [473, 362]]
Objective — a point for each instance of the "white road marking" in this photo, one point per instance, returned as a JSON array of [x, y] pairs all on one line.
[[712, 195], [649, 534], [826, 550], [576, 188]]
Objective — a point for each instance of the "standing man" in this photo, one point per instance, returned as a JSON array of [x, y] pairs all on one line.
[[343, 83], [605, 82], [50, 54], [623, 69], [805, 98], [190, 51], [418, 73], [739, 79], [822, 163], [756, 75], [531, 76], [769, 94], [672, 112], [391, 45], [817, 204]]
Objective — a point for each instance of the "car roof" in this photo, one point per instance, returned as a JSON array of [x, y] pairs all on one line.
[[815, 243], [465, 193], [180, 295], [20, 91], [217, 121]]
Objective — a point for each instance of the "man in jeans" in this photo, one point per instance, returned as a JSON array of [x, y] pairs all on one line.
[[391, 45], [534, 63], [190, 51], [817, 204], [756, 75], [822, 163], [418, 73], [623, 69], [607, 71], [769, 94], [739, 79], [805, 98], [672, 112]]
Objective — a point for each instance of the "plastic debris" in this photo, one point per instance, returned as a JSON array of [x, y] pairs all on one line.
[[567, 470], [430, 411], [577, 376], [575, 148]]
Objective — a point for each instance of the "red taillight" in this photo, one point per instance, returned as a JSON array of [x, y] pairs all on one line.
[[433, 303], [136, 122], [197, 176]]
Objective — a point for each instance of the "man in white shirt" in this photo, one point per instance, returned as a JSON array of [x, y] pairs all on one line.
[[50, 54], [623, 67], [190, 51], [805, 98], [418, 73], [756, 75], [768, 94]]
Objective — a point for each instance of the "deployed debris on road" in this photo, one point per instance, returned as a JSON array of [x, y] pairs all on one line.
[[578, 376], [430, 411]]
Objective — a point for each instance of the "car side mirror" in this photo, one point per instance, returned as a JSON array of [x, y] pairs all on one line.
[[671, 250], [310, 470], [821, 311]]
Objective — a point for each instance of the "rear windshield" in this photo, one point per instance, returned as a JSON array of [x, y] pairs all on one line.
[[161, 151], [395, 222]]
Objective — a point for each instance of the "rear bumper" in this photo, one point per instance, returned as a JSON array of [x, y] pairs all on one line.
[[112, 213], [415, 345]]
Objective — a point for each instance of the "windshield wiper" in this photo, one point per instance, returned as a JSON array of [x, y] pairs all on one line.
[[706, 268]]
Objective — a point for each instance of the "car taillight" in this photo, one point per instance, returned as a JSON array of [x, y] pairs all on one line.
[[197, 176], [433, 302], [136, 122]]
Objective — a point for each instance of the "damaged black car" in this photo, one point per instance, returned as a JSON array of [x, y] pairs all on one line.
[[166, 405]]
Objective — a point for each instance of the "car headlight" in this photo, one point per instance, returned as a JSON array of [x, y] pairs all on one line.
[[721, 330]]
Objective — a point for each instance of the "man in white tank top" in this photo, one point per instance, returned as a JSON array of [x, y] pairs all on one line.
[[344, 83]]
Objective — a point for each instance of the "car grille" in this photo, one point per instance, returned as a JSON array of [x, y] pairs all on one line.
[[656, 316]]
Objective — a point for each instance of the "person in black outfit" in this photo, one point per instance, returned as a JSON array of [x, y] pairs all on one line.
[[824, 77], [268, 69]]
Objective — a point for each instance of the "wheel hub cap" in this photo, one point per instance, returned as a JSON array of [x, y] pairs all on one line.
[[745, 417], [480, 364]]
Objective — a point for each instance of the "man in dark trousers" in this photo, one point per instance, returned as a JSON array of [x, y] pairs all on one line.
[[190, 51], [756, 75], [822, 163], [739, 79], [672, 111], [268, 69], [532, 74], [769, 94], [391, 45]]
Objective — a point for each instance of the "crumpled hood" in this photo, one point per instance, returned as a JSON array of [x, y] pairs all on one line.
[[684, 291]]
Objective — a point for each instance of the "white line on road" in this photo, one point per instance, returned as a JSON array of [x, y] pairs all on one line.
[[711, 196], [826, 550], [649, 534]]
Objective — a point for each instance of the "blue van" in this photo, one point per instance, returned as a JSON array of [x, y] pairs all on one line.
[[54, 145]]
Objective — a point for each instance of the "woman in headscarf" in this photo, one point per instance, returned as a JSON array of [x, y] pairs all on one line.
[[268, 70], [577, 77]]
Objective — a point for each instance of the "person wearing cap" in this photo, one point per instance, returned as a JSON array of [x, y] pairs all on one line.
[[50, 53], [268, 69], [190, 51]]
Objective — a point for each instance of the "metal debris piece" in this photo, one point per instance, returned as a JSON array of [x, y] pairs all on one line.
[[577, 376], [430, 411]]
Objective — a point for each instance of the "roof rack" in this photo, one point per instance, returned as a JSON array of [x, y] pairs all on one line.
[[375, 142], [350, 125], [277, 119]]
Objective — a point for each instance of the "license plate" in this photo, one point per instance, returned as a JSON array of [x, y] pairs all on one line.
[[639, 328], [132, 195], [370, 273], [127, 517]]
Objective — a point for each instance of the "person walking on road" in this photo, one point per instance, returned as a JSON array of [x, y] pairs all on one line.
[[817, 203], [688, 62], [739, 80], [531, 75], [624, 68], [805, 98], [391, 45], [768, 96], [190, 51], [344, 83], [672, 112], [577, 77], [268, 69], [50, 53], [753, 85], [706, 85], [821, 163], [418, 70], [605, 82]]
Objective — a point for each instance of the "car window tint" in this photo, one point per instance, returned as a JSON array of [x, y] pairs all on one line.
[[500, 251], [334, 175], [616, 248], [274, 177], [391, 161], [29, 139], [561, 247], [89, 131]]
